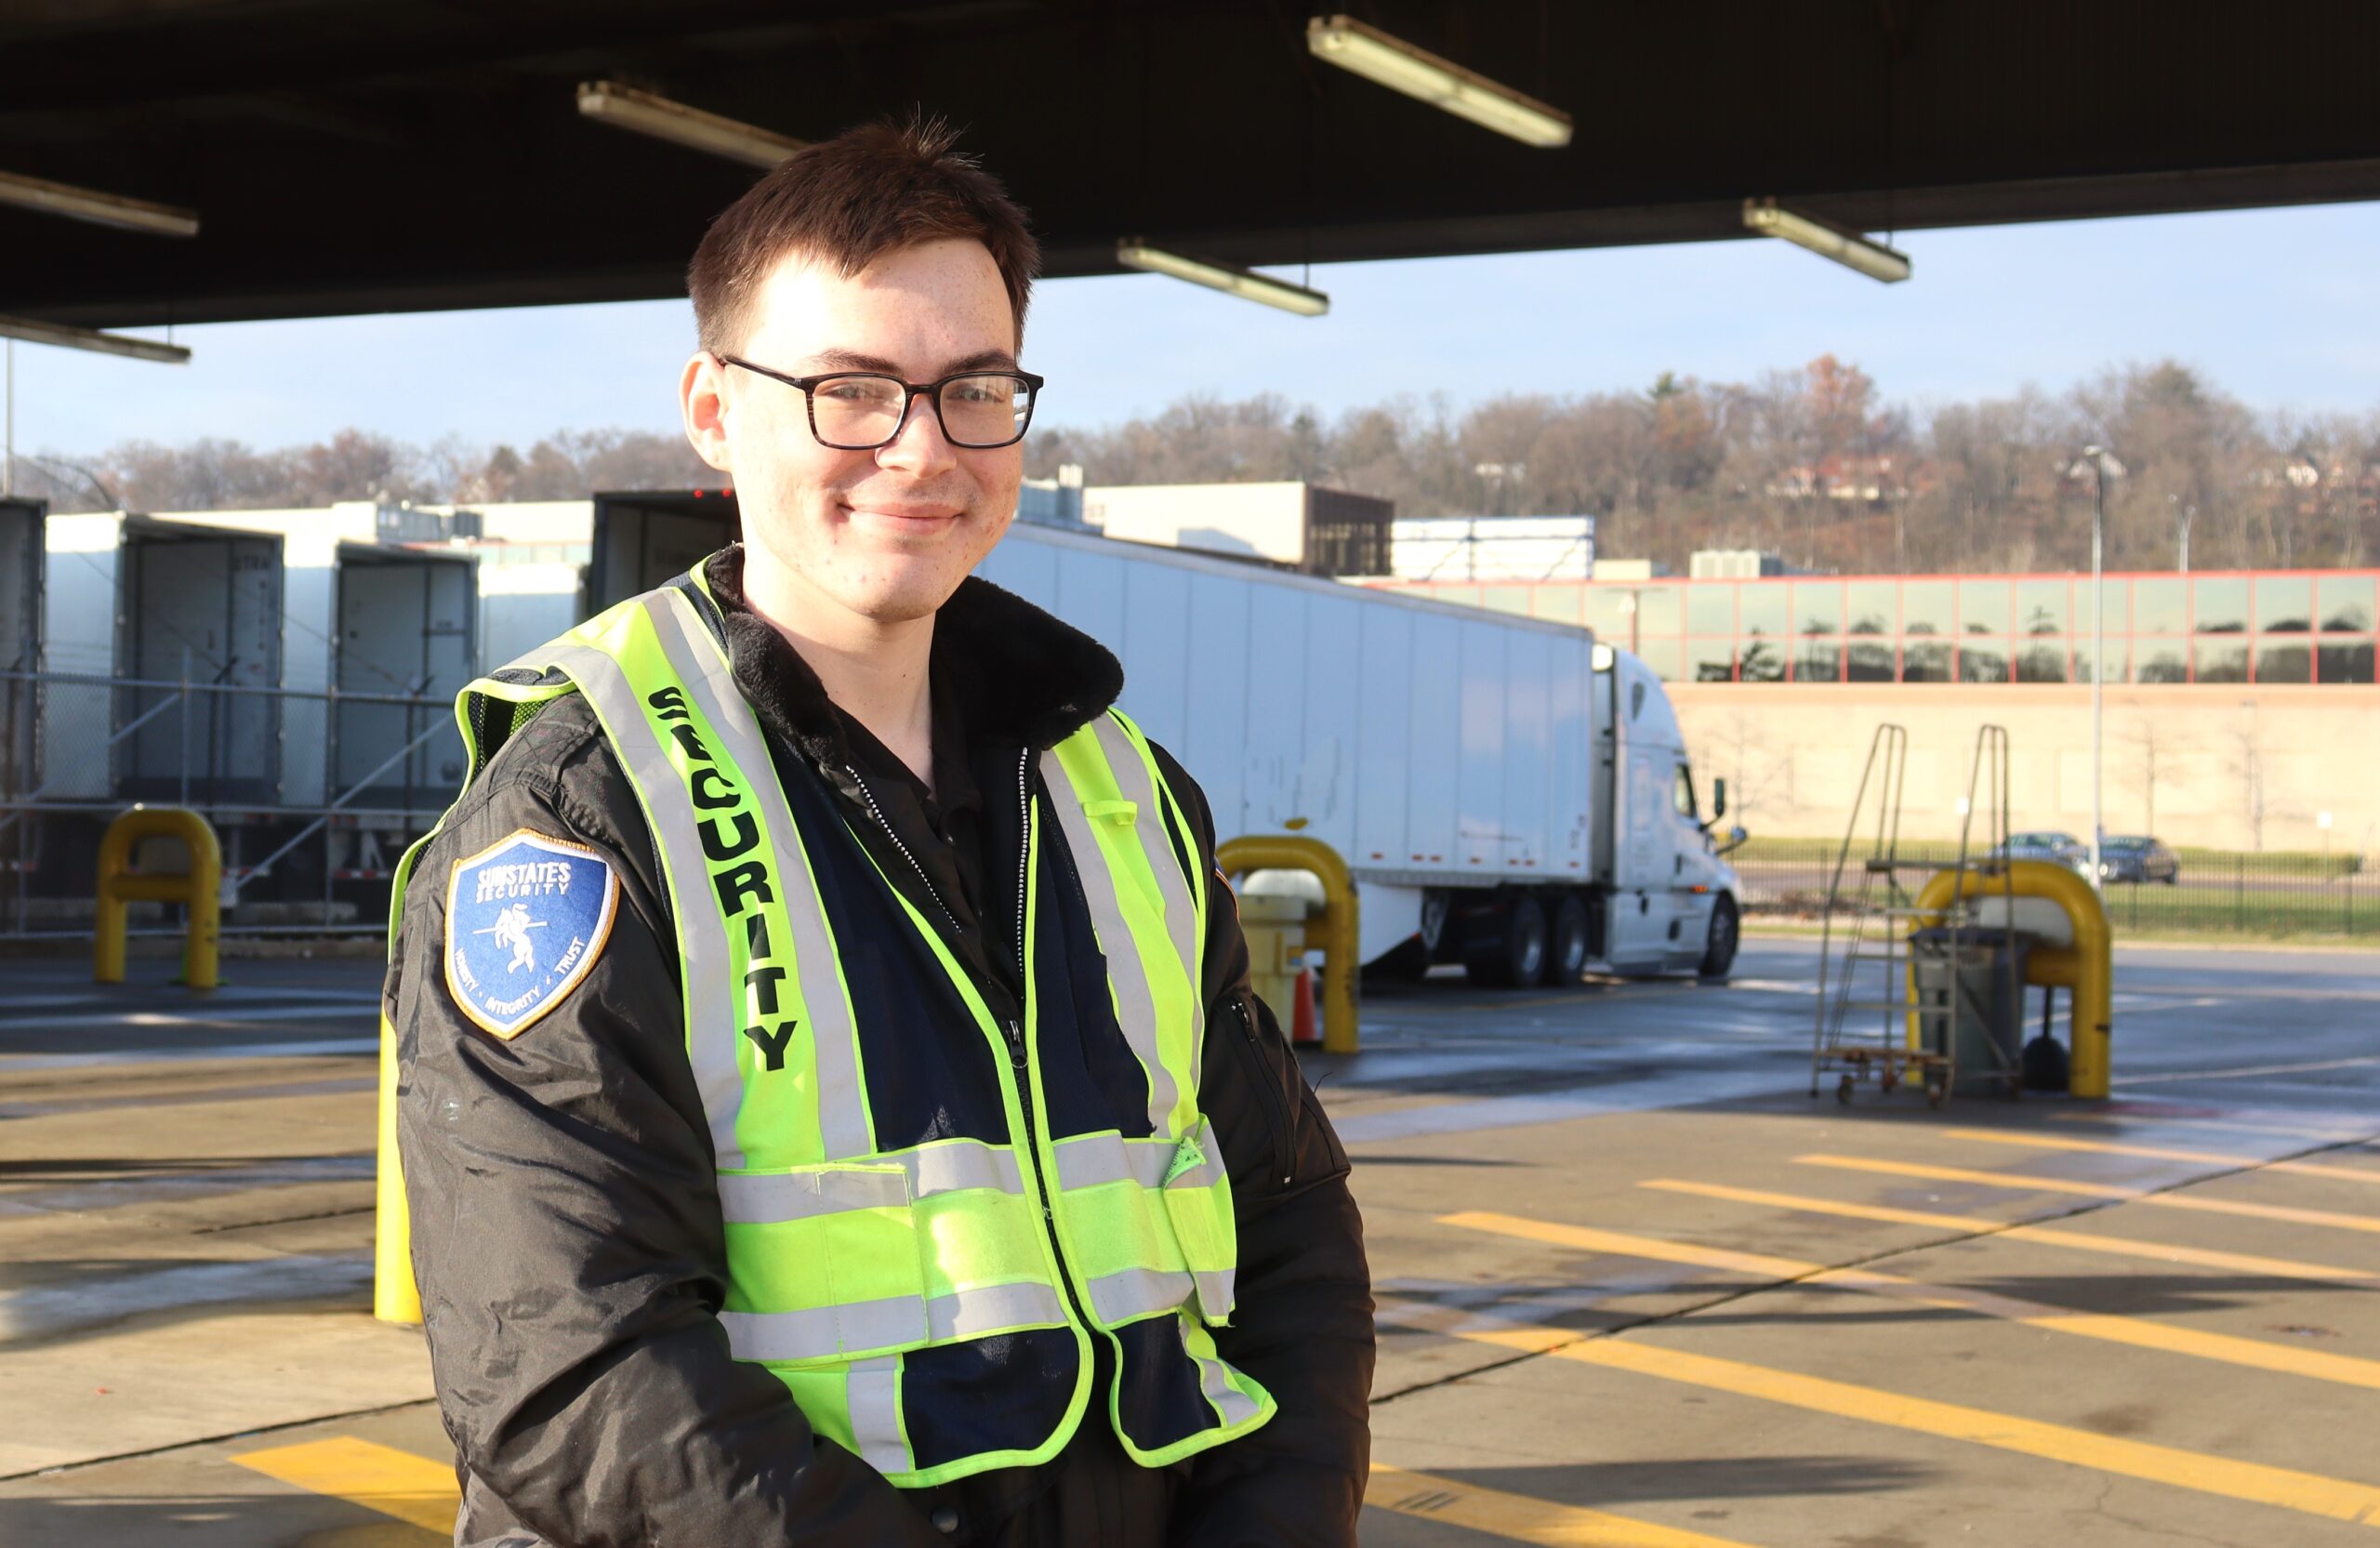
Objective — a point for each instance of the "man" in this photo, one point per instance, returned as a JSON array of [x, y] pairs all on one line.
[[882, 1146]]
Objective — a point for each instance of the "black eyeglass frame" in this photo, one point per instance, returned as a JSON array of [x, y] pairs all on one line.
[[911, 390]]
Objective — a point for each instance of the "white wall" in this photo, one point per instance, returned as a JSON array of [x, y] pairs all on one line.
[[1265, 521]]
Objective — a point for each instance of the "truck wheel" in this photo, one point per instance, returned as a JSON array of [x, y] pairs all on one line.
[[1518, 960], [1719, 955], [1567, 961]]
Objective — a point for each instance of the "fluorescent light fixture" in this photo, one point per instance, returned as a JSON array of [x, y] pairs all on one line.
[[642, 112], [1396, 64], [65, 338], [1827, 239], [100, 209], [1246, 284]]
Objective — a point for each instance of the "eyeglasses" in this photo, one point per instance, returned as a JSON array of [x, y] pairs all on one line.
[[859, 411]]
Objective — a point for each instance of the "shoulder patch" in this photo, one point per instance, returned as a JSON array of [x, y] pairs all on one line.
[[526, 918]]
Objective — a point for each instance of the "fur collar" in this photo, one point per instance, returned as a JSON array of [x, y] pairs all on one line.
[[1013, 673]]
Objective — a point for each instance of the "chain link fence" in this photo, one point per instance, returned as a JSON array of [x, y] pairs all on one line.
[[2215, 892], [313, 795]]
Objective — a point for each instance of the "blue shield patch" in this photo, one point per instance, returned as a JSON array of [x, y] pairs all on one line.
[[525, 920]]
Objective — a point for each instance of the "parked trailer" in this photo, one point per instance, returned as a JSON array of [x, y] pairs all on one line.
[[1511, 794], [160, 603]]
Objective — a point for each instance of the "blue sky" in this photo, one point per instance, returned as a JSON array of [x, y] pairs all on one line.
[[2277, 307]]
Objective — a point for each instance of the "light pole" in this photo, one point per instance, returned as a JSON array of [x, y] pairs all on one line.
[[2101, 466]]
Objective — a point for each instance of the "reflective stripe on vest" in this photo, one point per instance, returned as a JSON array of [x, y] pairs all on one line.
[[844, 1257]]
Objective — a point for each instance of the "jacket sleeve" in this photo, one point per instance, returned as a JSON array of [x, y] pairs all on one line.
[[566, 1229], [1303, 1323]]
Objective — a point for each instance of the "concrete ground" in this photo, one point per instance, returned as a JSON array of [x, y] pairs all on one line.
[[1636, 1287]]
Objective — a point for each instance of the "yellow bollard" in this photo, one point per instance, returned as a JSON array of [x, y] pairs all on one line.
[[2086, 971], [395, 1297], [1334, 931], [199, 889]]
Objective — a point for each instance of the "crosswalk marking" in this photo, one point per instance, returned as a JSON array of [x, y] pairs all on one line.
[[2161, 1153], [378, 1477], [2025, 1182], [2307, 1493], [1520, 1517], [2124, 1246], [2137, 1333]]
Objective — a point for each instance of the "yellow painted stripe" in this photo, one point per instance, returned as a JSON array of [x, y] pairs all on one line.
[[2137, 1333], [2028, 1183], [2159, 1153], [1519, 1518], [2308, 1493], [2123, 1247], [377, 1478]]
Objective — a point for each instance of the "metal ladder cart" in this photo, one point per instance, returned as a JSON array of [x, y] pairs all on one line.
[[1869, 970]]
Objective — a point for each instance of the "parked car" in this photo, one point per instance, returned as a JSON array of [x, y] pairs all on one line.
[[2138, 857], [2058, 849]]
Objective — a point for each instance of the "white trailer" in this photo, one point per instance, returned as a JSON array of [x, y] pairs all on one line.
[[1511, 794], [160, 603]]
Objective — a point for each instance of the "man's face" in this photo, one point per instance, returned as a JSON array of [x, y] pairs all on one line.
[[885, 534]]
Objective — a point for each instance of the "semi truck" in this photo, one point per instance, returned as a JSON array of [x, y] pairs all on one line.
[[1510, 795]]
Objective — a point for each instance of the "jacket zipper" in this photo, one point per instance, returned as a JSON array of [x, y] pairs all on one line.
[[1273, 1115], [923, 881]]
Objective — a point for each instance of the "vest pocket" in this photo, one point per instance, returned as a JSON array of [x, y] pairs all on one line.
[[824, 1263], [1197, 1203]]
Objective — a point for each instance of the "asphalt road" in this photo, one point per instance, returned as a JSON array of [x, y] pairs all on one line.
[[1636, 1286]]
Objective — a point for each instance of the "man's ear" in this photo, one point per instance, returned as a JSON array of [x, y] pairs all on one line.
[[702, 404]]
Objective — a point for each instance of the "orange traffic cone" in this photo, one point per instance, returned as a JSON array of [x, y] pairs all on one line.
[[1302, 1020]]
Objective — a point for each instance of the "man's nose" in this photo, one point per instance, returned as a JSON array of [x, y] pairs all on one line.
[[918, 441]]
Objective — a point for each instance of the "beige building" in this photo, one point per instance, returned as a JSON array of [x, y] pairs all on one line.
[[2223, 766]]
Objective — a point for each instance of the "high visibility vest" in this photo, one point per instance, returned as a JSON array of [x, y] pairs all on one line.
[[928, 1215]]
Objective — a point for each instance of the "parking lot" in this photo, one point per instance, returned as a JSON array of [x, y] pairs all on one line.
[[1636, 1286]]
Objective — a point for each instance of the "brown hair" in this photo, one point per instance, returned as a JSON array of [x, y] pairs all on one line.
[[848, 201]]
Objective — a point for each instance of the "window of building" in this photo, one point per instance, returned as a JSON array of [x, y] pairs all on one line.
[[1763, 609], [1561, 605], [1604, 610], [2345, 662], [2284, 605], [1818, 606], [1872, 607], [1983, 607], [1507, 598], [2041, 607], [2118, 595], [1818, 661], [2222, 661], [1710, 660], [2219, 605], [1711, 608], [1868, 663], [1665, 657], [2041, 660], [1656, 609], [1928, 607], [2160, 605], [1761, 661], [1983, 660], [2160, 661], [2116, 654], [2285, 664], [1924, 660], [2346, 605]]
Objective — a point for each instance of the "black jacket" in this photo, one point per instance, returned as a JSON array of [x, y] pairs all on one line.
[[566, 1228]]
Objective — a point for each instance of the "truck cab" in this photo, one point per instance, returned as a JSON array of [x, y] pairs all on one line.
[[1670, 900]]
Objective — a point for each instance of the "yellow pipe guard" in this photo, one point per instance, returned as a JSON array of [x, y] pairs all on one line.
[[2086, 970], [199, 889], [1333, 932]]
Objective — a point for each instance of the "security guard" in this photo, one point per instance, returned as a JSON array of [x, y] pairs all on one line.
[[832, 1107]]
